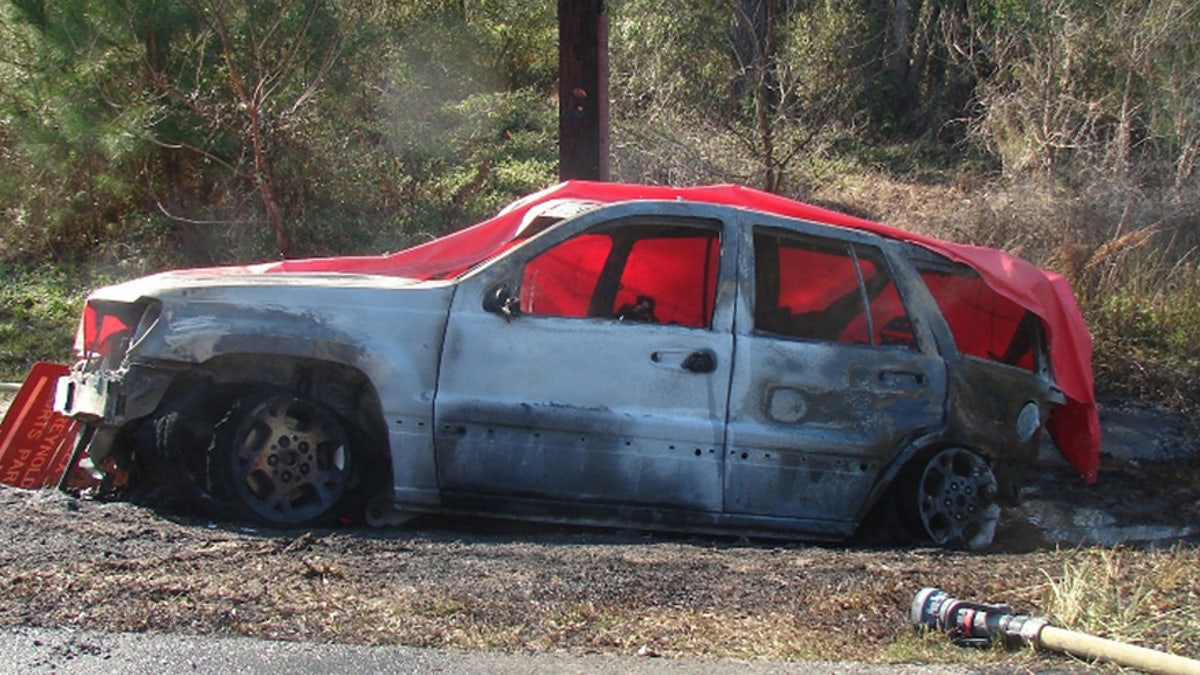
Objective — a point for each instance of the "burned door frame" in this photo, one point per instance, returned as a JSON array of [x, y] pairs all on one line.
[[814, 424], [997, 404], [594, 418]]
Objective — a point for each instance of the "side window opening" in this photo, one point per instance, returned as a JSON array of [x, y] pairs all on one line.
[[826, 290], [637, 273], [984, 323], [562, 280]]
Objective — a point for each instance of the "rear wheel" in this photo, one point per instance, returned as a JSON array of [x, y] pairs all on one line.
[[952, 498], [287, 460]]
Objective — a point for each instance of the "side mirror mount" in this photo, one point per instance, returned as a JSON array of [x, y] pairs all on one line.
[[500, 300]]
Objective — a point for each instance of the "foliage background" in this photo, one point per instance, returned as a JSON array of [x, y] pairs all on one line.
[[137, 135]]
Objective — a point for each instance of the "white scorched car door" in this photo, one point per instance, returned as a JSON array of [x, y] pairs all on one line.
[[591, 371], [830, 378]]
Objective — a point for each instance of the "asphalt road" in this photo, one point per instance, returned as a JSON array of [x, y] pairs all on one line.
[[44, 650]]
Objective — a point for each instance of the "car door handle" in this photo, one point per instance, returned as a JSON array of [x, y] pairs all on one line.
[[902, 379], [703, 361]]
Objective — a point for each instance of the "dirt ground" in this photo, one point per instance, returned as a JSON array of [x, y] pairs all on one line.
[[113, 566]]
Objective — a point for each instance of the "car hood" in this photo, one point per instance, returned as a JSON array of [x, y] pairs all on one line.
[[217, 279]]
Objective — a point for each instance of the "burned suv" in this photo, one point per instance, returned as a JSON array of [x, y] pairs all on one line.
[[699, 359]]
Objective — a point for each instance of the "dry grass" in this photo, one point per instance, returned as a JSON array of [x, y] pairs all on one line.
[[1144, 314], [1149, 598]]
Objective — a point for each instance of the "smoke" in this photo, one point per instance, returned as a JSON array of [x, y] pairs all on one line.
[[436, 68]]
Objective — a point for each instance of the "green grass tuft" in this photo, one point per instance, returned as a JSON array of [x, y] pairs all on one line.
[[39, 310]]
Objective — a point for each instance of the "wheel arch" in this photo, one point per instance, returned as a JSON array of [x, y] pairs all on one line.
[[915, 452], [172, 446], [964, 511], [343, 388]]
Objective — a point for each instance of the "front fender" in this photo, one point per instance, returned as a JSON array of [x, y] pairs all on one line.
[[392, 335]]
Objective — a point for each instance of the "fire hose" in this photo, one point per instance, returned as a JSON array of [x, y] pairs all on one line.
[[977, 624]]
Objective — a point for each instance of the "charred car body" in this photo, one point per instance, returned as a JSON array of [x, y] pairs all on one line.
[[669, 362]]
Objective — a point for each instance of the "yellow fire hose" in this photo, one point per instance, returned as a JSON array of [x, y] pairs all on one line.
[[976, 624]]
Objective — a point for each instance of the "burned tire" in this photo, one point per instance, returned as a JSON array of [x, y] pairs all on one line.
[[286, 460], [171, 453], [951, 500]]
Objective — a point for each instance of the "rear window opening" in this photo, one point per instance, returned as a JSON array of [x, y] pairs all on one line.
[[826, 290], [985, 324]]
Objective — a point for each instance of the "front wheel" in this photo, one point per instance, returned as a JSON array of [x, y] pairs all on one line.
[[286, 459], [953, 498]]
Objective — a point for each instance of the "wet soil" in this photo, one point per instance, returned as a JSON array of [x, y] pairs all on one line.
[[114, 566]]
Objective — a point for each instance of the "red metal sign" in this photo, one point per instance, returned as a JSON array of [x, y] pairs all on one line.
[[35, 441]]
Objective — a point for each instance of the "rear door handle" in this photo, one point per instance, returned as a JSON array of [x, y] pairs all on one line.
[[902, 379]]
